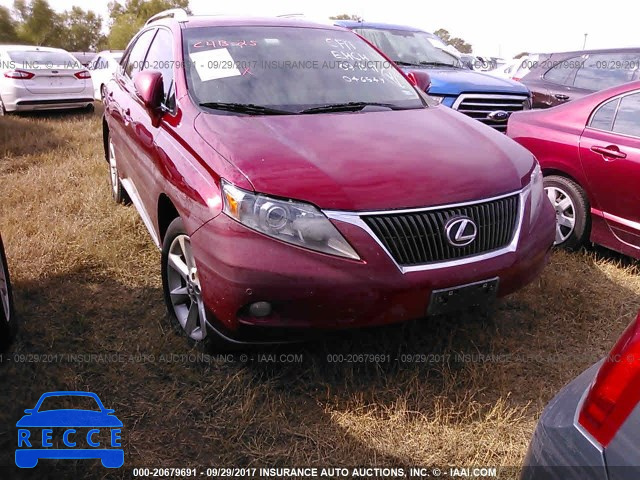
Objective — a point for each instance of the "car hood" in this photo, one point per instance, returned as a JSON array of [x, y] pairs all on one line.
[[454, 81], [69, 418], [370, 161]]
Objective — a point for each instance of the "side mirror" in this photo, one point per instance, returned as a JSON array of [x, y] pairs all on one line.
[[150, 89], [29, 411], [420, 79]]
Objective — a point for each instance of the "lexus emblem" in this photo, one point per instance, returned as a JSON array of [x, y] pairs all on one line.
[[499, 116], [460, 231]]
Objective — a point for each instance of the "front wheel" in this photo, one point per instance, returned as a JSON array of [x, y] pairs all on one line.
[[572, 211], [3, 111], [181, 284]]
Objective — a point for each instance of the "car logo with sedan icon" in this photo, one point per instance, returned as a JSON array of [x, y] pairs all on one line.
[[91, 432]]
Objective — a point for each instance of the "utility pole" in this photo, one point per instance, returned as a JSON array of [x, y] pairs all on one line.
[[584, 45]]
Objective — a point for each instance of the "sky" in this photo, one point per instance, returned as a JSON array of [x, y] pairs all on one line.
[[493, 27]]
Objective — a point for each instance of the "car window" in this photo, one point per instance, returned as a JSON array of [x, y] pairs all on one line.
[[564, 72], [409, 47], [67, 402], [603, 118], [42, 59], [627, 121], [602, 71], [137, 53], [290, 68], [160, 58]]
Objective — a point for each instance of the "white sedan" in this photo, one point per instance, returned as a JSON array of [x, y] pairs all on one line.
[[41, 78], [102, 68]]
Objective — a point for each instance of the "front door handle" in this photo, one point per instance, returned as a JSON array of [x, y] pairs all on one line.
[[610, 152], [562, 96]]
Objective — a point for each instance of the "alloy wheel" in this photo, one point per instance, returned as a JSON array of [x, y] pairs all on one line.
[[184, 288], [565, 213]]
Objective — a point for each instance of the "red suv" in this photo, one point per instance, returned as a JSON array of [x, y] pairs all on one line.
[[295, 178]]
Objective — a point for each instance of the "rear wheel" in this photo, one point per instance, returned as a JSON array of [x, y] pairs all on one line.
[[3, 111], [8, 324], [117, 190], [572, 211]]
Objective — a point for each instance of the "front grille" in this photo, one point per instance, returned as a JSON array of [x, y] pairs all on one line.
[[418, 237], [479, 106]]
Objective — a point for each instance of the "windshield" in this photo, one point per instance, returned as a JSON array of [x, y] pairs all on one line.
[[405, 47], [40, 59], [290, 69], [66, 402]]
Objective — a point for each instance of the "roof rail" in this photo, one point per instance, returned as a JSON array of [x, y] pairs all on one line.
[[179, 14], [292, 15]]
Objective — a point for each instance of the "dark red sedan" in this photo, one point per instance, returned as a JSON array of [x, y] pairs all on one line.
[[296, 179], [589, 151]]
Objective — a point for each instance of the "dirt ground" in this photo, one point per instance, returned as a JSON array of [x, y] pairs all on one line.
[[462, 391]]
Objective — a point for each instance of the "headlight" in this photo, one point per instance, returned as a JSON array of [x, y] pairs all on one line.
[[287, 220], [436, 98], [536, 187]]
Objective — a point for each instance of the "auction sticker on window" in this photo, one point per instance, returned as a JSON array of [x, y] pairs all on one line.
[[214, 64]]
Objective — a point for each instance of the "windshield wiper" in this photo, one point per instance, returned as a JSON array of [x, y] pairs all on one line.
[[245, 108], [406, 64], [348, 107], [438, 64]]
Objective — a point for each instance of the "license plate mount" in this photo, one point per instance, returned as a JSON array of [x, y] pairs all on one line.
[[454, 299]]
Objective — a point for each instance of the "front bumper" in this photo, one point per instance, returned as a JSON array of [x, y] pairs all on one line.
[[560, 449], [238, 266]]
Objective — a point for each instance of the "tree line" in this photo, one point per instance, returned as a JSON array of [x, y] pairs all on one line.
[[34, 22]]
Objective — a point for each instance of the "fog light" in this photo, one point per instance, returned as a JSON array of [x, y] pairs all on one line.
[[260, 309]]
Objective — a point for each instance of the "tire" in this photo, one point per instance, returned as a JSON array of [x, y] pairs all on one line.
[[3, 111], [573, 220], [180, 284], [118, 193], [8, 321]]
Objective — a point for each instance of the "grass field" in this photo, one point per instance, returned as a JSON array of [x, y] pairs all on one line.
[[87, 281]]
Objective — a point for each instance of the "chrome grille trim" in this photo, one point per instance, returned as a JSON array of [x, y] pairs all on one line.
[[355, 218], [478, 106]]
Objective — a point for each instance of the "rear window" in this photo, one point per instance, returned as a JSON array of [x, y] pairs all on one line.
[[40, 59], [290, 68], [69, 402]]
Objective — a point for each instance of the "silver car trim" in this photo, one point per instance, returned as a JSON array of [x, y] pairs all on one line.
[[488, 96], [354, 218], [576, 415], [132, 191]]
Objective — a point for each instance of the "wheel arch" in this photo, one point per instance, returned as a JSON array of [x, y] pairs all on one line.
[[167, 212], [548, 171]]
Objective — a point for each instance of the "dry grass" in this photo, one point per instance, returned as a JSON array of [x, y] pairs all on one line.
[[86, 280]]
